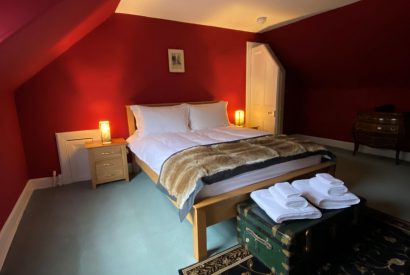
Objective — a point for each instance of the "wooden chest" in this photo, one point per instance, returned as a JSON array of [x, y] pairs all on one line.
[[293, 247]]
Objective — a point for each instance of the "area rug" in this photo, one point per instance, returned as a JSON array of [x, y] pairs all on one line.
[[381, 246]]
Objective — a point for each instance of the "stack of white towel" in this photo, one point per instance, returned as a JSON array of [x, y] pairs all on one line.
[[283, 202], [326, 192]]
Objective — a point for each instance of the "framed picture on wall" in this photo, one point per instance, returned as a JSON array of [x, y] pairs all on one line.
[[176, 61]]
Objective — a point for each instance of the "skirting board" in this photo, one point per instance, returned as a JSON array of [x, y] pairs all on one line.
[[363, 149], [10, 227]]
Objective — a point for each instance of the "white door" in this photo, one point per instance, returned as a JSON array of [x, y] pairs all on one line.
[[264, 98]]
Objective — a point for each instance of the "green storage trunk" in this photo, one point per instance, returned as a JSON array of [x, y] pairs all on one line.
[[294, 247]]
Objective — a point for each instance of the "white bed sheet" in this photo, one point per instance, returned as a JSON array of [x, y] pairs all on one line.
[[254, 176], [155, 149]]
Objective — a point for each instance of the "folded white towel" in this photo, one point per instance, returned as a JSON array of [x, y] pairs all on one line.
[[328, 190], [328, 179], [323, 201], [286, 190], [294, 201], [278, 213]]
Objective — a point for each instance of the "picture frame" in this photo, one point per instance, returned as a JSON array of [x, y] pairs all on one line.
[[176, 60]]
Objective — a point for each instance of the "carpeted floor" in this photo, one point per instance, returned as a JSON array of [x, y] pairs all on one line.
[[384, 184], [131, 228], [381, 245], [119, 228]]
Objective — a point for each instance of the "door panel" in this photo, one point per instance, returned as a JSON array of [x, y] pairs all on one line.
[[262, 95]]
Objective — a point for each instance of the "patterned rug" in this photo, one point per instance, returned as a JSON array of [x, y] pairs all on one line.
[[381, 246]]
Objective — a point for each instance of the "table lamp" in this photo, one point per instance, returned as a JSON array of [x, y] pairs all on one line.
[[105, 132]]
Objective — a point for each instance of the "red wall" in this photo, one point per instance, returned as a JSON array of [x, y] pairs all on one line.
[[34, 33], [125, 61], [344, 61], [12, 162], [337, 63], [14, 15]]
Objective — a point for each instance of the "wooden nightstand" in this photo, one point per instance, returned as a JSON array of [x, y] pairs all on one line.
[[108, 162]]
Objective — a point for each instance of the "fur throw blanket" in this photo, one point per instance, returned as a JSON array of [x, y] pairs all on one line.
[[184, 173]]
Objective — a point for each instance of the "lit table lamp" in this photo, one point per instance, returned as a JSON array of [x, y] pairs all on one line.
[[105, 132], [239, 118]]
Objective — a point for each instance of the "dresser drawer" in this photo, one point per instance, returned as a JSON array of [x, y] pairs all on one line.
[[108, 164], [107, 152], [377, 141], [377, 128], [110, 175], [379, 118]]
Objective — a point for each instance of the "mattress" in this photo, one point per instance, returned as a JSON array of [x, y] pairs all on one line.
[[154, 150]]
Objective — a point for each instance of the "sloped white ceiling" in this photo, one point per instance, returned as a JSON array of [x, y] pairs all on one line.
[[231, 14]]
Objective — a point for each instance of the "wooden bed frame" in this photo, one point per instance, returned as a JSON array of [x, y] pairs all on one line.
[[212, 210]]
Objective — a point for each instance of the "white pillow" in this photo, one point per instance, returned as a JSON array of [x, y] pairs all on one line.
[[205, 116], [156, 120]]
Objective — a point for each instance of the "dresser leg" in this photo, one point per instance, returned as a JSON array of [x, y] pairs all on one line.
[[356, 147], [397, 156]]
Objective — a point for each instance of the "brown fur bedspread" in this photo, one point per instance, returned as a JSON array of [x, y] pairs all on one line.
[[183, 174]]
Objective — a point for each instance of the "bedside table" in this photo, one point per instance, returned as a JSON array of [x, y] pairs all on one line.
[[108, 162]]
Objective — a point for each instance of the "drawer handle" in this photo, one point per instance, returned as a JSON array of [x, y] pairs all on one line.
[[259, 239], [108, 164], [379, 128], [107, 153], [381, 119]]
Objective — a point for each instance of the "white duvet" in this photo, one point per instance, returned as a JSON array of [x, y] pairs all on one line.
[[155, 149]]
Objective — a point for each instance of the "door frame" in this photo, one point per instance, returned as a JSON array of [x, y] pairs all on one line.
[[280, 97]]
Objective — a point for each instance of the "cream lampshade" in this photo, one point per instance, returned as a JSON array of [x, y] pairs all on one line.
[[105, 131], [239, 118]]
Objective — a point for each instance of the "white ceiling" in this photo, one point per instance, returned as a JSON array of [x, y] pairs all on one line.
[[231, 14]]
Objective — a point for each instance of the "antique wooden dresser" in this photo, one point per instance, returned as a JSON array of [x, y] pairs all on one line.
[[381, 130]]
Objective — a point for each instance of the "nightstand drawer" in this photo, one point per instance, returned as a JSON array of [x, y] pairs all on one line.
[[110, 175], [107, 152], [108, 164]]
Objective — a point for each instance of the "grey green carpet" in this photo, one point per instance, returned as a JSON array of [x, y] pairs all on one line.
[[385, 185], [118, 229], [132, 228]]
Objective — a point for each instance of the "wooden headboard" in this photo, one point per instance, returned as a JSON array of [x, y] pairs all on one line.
[[131, 119]]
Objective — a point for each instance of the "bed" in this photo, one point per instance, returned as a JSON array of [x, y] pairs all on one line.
[[215, 202]]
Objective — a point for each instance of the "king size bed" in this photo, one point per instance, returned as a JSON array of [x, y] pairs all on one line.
[[214, 165]]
